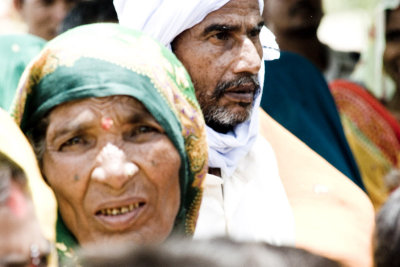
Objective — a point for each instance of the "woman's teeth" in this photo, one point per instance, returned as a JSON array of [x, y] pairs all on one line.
[[119, 211]]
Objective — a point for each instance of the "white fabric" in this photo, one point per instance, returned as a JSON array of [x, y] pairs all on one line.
[[164, 20], [250, 205]]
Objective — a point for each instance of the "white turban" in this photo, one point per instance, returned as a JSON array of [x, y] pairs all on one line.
[[166, 19]]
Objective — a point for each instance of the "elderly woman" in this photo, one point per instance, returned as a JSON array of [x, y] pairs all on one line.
[[23, 234], [119, 136]]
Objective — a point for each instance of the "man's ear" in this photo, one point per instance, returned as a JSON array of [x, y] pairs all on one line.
[[18, 4]]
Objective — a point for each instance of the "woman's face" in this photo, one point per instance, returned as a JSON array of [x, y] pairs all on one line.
[[114, 171], [391, 57], [19, 229]]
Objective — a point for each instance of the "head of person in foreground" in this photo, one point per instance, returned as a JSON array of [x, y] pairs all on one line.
[[118, 134]]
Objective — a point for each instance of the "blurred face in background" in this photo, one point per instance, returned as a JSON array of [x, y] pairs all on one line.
[[21, 242], [43, 17], [391, 58], [292, 15]]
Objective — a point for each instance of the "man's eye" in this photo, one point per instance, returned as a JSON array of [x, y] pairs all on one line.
[[74, 141], [255, 33], [221, 36]]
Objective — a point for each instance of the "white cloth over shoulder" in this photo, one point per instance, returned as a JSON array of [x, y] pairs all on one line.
[[166, 19], [250, 205]]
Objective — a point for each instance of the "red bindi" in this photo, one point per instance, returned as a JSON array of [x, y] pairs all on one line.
[[106, 123]]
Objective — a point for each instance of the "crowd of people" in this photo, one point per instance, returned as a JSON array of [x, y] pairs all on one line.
[[195, 133]]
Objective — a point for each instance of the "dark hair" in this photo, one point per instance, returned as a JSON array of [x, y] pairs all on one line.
[[37, 138], [89, 11], [221, 252], [387, 233]]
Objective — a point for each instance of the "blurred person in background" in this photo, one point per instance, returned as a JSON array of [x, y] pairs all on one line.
[[387, 233], [16, 51], [43, 17], [391, 56], [295, 24], [369, 105], [25, 236], [89, 11], [218, 252], [378, 69], [10, 21]]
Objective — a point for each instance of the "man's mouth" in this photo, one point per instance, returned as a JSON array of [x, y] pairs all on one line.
[[243, 93]]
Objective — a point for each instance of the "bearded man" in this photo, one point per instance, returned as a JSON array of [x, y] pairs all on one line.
[[256, 189]]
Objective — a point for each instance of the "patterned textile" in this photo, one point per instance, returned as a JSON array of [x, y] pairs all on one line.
[[107, 59], [16, 51], [373, 135]]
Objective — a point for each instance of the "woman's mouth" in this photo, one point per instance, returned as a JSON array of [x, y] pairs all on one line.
[[118, 210], [120, 217]]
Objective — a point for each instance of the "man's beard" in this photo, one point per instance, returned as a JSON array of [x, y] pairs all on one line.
[[220, 118]]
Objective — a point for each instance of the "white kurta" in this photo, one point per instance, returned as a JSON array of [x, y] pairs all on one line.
[[250, 205]]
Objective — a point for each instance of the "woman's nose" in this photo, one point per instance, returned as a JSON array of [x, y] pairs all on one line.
[[112, 167]]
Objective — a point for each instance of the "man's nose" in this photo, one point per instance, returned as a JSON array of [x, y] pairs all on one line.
[[112, 167], [249, 59]]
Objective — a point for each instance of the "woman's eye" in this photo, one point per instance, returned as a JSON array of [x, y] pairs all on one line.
[[74, 141], [141, 130], [144, 129]]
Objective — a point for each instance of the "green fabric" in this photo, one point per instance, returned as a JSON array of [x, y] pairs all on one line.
[[106, 59], [16, 51]]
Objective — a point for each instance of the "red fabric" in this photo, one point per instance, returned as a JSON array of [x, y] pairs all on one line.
[[370, 116]]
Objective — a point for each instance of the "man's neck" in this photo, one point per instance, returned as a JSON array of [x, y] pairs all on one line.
[[220, 128], [215, 171]]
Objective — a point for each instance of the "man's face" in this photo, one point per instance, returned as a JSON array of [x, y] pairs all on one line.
[[292, 15], [43, 17], [391, 57], [113, 170], [19, 229], [223, 56]]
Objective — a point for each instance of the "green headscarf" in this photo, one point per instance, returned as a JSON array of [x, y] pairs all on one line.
[[16, 51], [101, 60]]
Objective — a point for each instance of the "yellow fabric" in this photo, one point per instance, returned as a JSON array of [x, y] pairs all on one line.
[[16, 147], [372, 164]]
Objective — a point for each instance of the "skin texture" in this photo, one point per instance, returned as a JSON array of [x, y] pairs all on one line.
[[43, 17], [223, 56], [19, 228], [91, 167], [295, 24], [391, 57]]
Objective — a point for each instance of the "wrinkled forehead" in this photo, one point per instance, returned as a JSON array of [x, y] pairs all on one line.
[[236, 14], [121, 107], [247, 11]]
